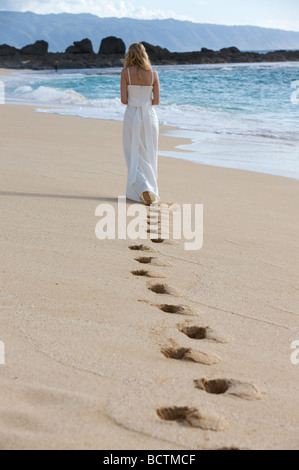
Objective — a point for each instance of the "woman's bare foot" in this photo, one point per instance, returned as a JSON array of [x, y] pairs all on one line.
[[148, 198]]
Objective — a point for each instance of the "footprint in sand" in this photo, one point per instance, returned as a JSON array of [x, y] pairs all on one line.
[[142, 248], [157, 208], [165, 241], [158, 227], [164, 206], [173, 309], [153, 261], [145, 273], [158, 240], [162, 288], [155, 218], [193, 417], [187, 354], [245, 390], [154, 230], [176, 309], [145, 259], [201, 333]]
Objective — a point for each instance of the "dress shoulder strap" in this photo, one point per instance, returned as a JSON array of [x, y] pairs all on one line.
[[129, 76]]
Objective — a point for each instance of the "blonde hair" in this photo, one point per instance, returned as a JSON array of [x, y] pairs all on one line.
[[137, 55]]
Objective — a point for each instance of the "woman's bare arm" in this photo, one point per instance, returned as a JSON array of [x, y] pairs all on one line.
[[156, 90], [123, 87]]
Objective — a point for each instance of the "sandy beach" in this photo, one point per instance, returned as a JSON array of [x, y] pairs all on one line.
[[94, 359], [6, 72]]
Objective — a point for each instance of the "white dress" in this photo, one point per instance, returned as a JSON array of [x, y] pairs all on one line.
[[140, 142]]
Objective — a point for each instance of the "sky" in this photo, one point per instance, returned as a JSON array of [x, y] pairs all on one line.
[[282, 14]]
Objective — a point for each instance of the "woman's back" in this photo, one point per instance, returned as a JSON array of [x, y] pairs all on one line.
[[132, 77], [140, 77], [139, 94]]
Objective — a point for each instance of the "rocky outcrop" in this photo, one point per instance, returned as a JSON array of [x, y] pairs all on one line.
[[204, 50], [6, 50], [80, 47], [161, 56], [230, 50], [38, 48], [112, 45], [112, 50], [156, 51]]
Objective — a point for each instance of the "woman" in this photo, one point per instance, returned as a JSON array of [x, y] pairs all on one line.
[[140, 91]]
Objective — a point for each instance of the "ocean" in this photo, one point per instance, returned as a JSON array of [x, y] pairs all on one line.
[[243, 116]]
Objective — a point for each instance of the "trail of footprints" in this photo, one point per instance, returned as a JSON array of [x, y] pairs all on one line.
[[147, 257]]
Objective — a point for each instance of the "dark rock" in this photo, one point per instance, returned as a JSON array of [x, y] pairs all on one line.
[[80, 47], [157, 53], [38, 48], [283, 52], [85, 45], [204, 50], [150, 49], [230, 50], [112, 45], [6, 50], [72, 50]]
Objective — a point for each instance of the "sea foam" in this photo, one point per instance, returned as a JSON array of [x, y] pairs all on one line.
[[48, 95]]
